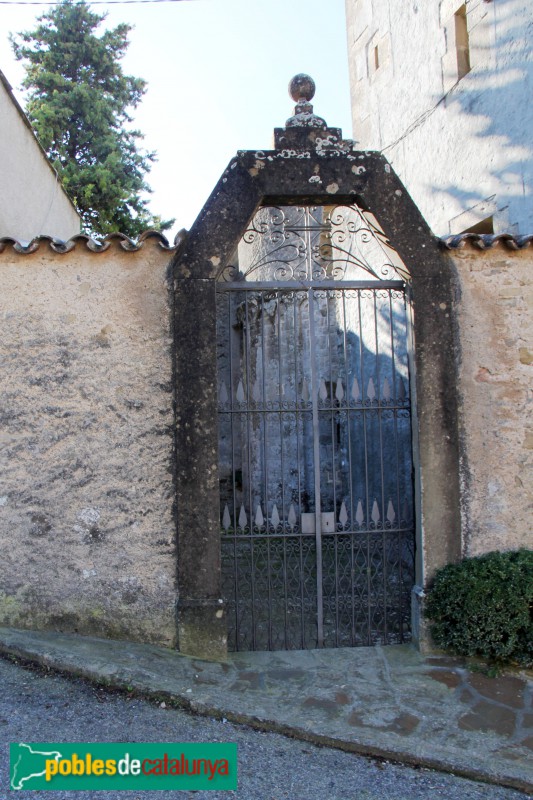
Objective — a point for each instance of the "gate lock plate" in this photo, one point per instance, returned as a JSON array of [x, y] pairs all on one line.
[[327, 522]]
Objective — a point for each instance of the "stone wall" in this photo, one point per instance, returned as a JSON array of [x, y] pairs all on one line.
[[87, 533], [87, 526], [496, 378]]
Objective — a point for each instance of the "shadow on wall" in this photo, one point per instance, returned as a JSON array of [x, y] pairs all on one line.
[[481, 130]]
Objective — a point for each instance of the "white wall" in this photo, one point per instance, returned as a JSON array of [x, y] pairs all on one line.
[[464, 148], [32, 201]]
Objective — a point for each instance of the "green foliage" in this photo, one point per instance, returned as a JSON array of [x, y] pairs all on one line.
[[79, 104], [484, 607]]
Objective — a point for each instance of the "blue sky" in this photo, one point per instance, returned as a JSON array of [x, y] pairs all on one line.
[[217, 73]]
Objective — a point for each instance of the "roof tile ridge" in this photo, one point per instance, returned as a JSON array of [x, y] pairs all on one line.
[[486, 241], [94, 245]]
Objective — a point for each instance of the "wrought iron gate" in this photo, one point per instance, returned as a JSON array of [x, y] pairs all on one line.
[[315, 450]]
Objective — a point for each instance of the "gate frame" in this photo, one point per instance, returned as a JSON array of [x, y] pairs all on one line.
[[308, 166]]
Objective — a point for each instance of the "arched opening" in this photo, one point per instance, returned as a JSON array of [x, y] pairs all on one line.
[[310, 168]]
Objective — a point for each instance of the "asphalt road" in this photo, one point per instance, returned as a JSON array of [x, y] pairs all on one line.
[[36, 706]]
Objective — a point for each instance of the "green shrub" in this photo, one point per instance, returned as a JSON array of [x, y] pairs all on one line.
[[483, 606]]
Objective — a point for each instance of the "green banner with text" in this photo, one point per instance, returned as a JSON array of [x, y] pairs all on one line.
[[79, 766]]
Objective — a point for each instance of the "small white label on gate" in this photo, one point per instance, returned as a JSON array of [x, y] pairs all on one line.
[[327, 522]]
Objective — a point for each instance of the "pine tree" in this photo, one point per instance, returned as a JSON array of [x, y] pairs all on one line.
[[80, 103]]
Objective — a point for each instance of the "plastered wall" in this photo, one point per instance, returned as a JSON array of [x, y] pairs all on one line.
[[87, 527], [32, 201], [495, 317], [86, 496]]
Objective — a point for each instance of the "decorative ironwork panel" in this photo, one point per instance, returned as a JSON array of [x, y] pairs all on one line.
[[316, 497], [314, 243]]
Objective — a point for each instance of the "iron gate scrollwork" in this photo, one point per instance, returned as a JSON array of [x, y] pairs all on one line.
[[315, 457]]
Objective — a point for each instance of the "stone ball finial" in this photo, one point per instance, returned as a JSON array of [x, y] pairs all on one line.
[[302, 90], [302, 87]]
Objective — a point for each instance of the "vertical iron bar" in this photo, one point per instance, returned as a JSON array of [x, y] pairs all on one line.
[[332, 409], [234, 498], [352, 586], [280, 401], [365, 437], [363, 407], [395, 406], [246, 365], [395, 417], [349, 420], [298, 344], [348, 414], [316, 458], [351, 526], [282, 467], [411, 404], [264, 415], [382, 475]]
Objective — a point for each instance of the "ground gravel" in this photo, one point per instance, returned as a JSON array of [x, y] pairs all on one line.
[[46, 707]]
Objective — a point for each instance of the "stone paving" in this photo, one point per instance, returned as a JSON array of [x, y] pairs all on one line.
[[385, 701]]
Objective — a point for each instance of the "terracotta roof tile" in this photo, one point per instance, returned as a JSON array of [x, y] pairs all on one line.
[[486, 241], [94, 245], [457, 242]]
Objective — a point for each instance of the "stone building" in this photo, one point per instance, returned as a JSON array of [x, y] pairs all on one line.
[[443, 89], [32, 201]]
